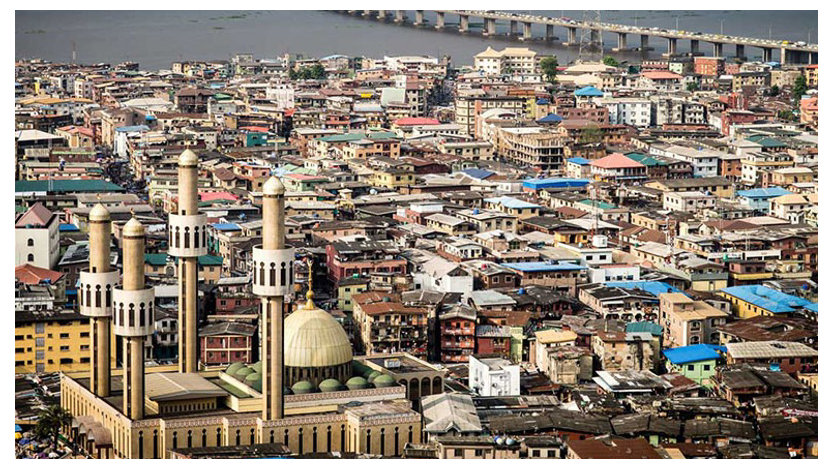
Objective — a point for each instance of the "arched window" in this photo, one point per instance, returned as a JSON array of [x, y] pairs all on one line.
[[196, 237], [98, 296], [368, 441], [251, 436], [30, 242], [237, 437], [342, 437], [177, 238], [188, 441], [382, 441], [283, 274], [187, 238], [88, 296], [204, 236], [31, 257], [131, 319], [272, 436], [329, 439], [410, 434], [315, 439], [203, 440], [141, 445], [271, 274], [300, 440], [155, 444], [286, 437], [108, 299], [261, 275], [142, 320], [218, 437], [175, 440], [396, 441]]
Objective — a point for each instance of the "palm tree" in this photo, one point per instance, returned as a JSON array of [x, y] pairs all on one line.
[[50, 421]]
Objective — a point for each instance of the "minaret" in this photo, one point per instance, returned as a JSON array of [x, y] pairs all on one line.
[[133, 318], [95, 298], [186, 242], [272, 280]]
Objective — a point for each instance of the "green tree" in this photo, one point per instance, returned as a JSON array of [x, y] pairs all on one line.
[[800, 86], [548, 65], [50, 422], [610, 61], [591, 135], [787, 115], [774, 90], [691, 86], [317, 72]]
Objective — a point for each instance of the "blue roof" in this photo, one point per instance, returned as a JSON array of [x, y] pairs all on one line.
[[588, 91], [539, 266], [542, 101], [478, 173], [551, 118], [652, 287], [579, 161], [512, 203], [544, 183], [225, 227], [693, 353], [763, 192], [770, 299], [67, 228]]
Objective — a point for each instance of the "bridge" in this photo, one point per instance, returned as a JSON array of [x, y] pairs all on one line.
[[789, 52]]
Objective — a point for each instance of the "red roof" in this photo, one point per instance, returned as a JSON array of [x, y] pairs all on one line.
[[37, 215], [213, 196], [661, 75], [28, 274], [616, 160], [416, 121]]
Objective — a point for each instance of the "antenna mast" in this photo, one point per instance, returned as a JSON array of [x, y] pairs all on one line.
[[590, 41]]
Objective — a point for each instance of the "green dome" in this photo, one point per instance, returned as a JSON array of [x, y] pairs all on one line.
[[359, 368], [356, 383], [372, 375], [303, 387], [257, 367], [384, 380], [241, 373], [257, 384], [330, 385], [234, 368], [252, 377]]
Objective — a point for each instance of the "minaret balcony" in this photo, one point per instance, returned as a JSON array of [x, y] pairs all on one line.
[[187, 235], [272, 272], [133, 312], [95, 293]]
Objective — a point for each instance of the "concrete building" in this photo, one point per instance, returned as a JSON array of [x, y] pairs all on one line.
[[493, 376], [36, 237]]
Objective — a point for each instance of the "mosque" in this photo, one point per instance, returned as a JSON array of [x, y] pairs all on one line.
[[308, 392]]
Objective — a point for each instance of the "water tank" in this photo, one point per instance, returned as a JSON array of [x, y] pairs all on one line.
[[599, 241], [475, 211], [521, 291]]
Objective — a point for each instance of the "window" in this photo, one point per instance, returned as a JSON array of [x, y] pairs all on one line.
[[690, 367], [39, 342], [30, 258], [30, 242], [479, 452], [458, 452]]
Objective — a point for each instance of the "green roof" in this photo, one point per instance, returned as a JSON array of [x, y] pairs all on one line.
[[766, 141], [210, 260], [67, 186], [156, 259], [598, 204], [645, 159]]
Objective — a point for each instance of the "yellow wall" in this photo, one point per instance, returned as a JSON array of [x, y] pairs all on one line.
[[62, 340]]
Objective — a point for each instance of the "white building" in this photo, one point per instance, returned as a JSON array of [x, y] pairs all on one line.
[[494, 377], [444, 276], [613, 273], [36, 238], [705, 162], [282, 94], [688, 201], [635, 112], [516, 61]]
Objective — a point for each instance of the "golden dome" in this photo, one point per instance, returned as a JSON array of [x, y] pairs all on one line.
[[313, 338], [134, 228], [99, 213], [273, 187], [188, 158]]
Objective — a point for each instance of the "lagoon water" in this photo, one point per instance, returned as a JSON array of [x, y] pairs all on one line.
[[157, 38]]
